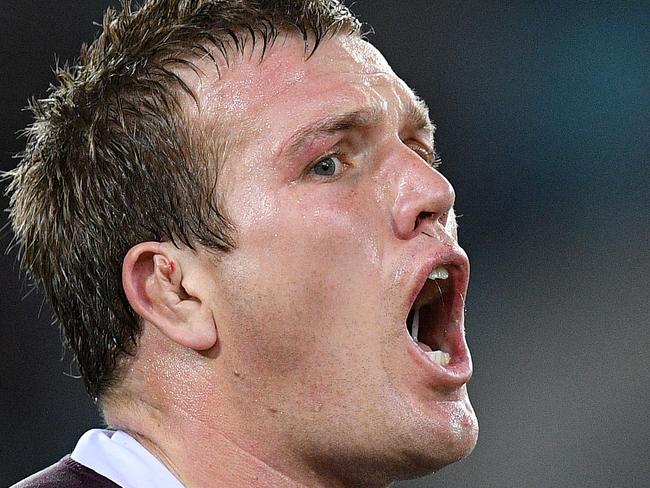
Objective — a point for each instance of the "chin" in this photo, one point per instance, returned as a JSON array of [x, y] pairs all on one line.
[[457, 446], [448, 442]]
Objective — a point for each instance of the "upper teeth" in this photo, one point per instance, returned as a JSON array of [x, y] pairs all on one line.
[[440, 273]]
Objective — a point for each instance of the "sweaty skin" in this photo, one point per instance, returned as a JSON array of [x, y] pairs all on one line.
[[313, 379]]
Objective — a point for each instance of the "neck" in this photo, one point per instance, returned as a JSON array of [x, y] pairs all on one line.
[[224, 464], [199, 455], [187, 415]]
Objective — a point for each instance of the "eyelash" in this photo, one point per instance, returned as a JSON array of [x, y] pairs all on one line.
[[335, 154], [431, 157]]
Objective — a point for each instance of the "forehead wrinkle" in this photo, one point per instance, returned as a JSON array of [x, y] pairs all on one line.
[[416, 116], [357, 119]]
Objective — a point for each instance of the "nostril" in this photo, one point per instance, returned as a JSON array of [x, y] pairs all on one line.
[[442, 218], [422, 216]]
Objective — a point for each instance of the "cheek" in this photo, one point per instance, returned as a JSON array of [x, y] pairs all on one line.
[[301, 273], [318, 225]]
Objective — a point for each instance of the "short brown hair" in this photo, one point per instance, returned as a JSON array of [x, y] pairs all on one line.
[[111, 161]]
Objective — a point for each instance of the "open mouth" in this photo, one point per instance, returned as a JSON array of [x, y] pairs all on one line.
[[430, 317]]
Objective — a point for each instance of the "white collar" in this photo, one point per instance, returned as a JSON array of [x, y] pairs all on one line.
[[123, 460]]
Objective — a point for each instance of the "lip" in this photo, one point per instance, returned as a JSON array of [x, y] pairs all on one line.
[[459, 370]]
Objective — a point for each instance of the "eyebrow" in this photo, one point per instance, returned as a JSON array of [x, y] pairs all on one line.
[[416, 116]]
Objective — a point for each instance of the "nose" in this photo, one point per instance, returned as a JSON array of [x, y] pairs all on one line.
[[423, 199]]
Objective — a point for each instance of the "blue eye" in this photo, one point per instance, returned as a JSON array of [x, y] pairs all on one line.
[[328, 166]]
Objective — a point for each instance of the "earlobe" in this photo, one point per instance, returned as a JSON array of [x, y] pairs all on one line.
[[155, 278]]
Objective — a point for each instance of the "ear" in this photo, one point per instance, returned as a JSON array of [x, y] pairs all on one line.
[[156, 277]]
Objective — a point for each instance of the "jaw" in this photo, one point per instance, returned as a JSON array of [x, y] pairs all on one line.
[[436, 424]]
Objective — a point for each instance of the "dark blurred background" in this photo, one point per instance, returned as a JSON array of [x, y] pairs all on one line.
[[543, 114]]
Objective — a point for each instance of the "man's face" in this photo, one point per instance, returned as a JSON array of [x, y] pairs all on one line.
[[339, 220]]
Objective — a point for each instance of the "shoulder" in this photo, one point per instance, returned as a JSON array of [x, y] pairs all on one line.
[[67, 473]]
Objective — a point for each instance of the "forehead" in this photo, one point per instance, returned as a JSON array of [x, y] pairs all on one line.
[[250, 80], [341, 69]]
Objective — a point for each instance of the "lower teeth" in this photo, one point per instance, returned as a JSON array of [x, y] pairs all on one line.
[[439, 357]]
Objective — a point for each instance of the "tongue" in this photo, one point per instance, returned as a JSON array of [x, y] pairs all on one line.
[[424, 347]]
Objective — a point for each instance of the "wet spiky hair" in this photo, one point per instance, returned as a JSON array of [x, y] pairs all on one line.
[[111, 160]]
